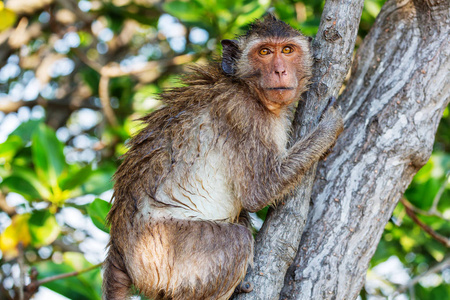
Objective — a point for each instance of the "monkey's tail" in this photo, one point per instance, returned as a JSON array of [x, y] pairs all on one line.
[[116, 282]]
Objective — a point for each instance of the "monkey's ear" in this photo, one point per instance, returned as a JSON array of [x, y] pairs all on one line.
[[230, 54]]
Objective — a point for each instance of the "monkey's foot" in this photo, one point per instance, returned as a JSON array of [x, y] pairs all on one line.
[[244, 287]]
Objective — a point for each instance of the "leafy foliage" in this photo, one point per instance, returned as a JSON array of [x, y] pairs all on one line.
[[75, 76]]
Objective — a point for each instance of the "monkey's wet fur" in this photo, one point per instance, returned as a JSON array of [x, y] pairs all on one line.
[[216, 151]]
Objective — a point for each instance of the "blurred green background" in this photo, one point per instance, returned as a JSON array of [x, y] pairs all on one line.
[[62, 61]]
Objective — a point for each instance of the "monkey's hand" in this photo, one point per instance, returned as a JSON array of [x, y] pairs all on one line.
[[331, 103]]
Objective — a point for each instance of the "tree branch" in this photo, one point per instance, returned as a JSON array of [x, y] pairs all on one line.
[[112, 70], [73, 7], [103, 92], [20, 260], [437, 198], [8, 106], [70, 274], [435, 269], [409, 210], [32, 288]]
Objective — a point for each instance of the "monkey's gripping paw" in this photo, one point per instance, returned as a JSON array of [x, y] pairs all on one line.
[[244, 287], [329, 108], [331, 103], [328, 152], [331, 120]]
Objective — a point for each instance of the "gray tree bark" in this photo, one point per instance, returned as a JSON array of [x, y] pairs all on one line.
[[392, 105], [278, 240], [399, 87]]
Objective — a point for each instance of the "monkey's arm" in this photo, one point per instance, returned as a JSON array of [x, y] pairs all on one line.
[[288, 170]]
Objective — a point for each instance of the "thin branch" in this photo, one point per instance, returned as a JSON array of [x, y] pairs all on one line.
[[103, 92], [89, 62], [435, 269], [73, 7], [112, 70], [21, 262], [4, 293], [410, 211], [438, 196], [32, 288], [429, 213], [8, 105], [433, 211], [65, 275]]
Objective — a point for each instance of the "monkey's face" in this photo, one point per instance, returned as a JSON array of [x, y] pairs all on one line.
[[278, 63]]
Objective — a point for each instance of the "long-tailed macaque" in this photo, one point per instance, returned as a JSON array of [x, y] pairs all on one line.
[[217, 150]]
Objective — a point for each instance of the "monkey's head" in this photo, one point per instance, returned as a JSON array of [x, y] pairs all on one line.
[[274, 60]]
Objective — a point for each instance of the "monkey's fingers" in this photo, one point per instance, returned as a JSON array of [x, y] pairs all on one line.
[[244, 287], [328, 152], [331, 103]]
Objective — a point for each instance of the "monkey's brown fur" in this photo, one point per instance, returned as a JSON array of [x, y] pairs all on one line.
[[217, 150]]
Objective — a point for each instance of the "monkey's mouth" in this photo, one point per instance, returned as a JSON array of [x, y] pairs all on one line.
[[280, 88]]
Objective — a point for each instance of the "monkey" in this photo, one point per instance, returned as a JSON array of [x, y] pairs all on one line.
[[216, 151]]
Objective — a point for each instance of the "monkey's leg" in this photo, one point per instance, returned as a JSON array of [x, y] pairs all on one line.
[[245, 286], [116, 282], [187, 259]]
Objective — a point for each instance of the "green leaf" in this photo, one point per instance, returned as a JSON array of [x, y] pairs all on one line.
[[373, 7], [91, 78], [84, 286], [99, 181], [26, 129], [98, 210], [48, 156], [436, 249], [76, 178], [186, 11], [43, 228], [10, 147], [19, 185], [251, 11], [145, 99], [25, 182], [262, 213]]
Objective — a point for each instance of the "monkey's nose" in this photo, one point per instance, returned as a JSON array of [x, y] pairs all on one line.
[[281, 72]]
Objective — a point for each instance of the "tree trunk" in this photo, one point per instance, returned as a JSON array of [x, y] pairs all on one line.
[[392, 105], [278, 240]]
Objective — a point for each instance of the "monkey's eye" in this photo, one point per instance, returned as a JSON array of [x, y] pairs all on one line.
[[264, 51], [287, 50]]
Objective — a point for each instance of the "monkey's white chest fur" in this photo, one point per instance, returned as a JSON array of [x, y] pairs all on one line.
[[201, 193], [198, 187]]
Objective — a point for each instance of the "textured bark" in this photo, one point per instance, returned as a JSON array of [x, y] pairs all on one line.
[[278, 240], [392, 106]]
